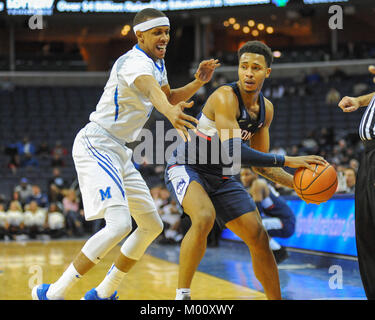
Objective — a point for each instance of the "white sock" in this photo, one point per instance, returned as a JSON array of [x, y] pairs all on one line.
[[58, 289], [170, 234], [110, 283], [180, 293], [274, 245]]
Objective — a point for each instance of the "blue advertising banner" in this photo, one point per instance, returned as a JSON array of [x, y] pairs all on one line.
[[328, 227]]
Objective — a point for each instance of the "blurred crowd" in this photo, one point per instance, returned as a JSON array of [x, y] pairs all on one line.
[[347, 51], [32, 214], [26, 153]]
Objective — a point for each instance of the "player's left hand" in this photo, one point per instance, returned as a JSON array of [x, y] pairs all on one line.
[[206, 70]]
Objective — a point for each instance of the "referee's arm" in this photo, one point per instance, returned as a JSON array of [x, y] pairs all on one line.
[[350, 104]]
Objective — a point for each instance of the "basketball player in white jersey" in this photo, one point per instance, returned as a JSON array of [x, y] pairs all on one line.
[[111, 186]]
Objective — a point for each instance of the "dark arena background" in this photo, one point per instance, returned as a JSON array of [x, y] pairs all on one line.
[[55, 58]]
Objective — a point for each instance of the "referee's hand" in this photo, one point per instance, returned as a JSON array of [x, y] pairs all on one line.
[[349, 104]]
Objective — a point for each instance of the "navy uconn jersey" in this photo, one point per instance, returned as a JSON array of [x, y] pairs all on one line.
[[204, 152]]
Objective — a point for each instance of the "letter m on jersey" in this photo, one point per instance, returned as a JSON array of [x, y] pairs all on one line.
[[105, 194]]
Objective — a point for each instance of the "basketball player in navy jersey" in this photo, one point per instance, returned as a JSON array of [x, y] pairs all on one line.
[[236, 113], [277, 217]]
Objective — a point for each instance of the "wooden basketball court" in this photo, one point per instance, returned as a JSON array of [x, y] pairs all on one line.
[[25, 264]]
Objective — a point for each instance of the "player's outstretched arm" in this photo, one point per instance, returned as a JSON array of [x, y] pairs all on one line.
[[203, 75], [174, 113], [224, 103]]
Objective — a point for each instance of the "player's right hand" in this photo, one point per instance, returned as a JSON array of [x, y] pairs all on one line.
[[304, 161], [349, 104], [180, 120]]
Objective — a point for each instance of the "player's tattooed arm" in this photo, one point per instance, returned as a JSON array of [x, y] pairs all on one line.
[[261, 141], [277, 175]]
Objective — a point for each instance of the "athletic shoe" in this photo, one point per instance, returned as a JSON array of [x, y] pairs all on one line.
[[280, 255], [185, 297], [40, 292], [93, 295]]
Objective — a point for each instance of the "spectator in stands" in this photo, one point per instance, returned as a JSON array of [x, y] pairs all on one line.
[[278, 150], [24, 190], [341, 181], [35, 222], [350, 179], [57, 179], [278, 92], [55, 195], [55, 221], [155, 193], [164, 197], [38, 196], [27, 151], [4, 224], [313, 78], [332, 97], [293, 150], [58, 154], [11, 150], [15, 217], [3, 199], [359, 88], [349, 154], [171, 217], [59, 149], [354, 164], [309, 144], [74, 219], [57, 161], [14, 163], [339, 152], [43, 150], [325, 139], [15, 196]]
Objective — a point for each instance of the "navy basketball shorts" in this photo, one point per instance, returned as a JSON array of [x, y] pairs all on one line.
[[228, 196]]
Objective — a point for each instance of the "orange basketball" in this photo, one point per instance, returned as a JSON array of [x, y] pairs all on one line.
[[315, 186]]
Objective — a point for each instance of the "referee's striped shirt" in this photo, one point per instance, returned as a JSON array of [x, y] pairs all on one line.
[[367, 125]]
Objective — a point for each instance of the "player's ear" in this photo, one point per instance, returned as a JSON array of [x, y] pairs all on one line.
[[140, 36], [268, 72]]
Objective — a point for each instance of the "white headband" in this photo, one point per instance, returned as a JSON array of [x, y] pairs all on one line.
[[149, 24]]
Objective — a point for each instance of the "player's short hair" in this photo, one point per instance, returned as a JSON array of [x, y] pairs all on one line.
[[258, 48], [147, 14]]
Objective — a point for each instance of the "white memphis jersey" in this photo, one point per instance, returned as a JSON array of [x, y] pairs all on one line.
[[122, 109]]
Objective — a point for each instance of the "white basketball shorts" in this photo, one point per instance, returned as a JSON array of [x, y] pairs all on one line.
[[106, 174]]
